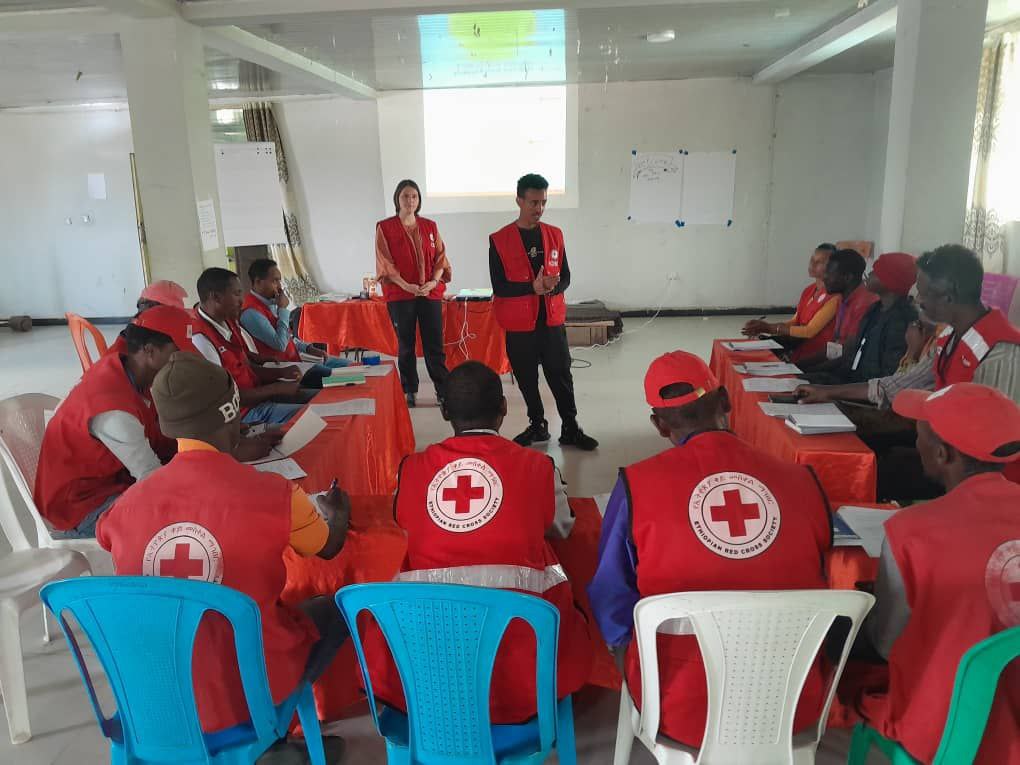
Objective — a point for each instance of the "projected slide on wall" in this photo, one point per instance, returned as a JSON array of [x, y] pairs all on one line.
[[492, 110], [463, 50]]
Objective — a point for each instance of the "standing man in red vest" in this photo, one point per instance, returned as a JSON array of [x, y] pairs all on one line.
[[265, 397], [709, 513], [265, 315], [478, 509], [529, 273], [105, 435], [949, 575], [207, 517]]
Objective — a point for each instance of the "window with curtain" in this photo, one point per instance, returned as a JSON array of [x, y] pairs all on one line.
[[993, 198]]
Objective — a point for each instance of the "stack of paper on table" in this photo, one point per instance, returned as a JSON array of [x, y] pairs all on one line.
[[767, 368], [785, 410], [751, 345], [772, 384], [368, 370], [343, 377], [301, 433], [819, 424], [345, 408], [867, 525]]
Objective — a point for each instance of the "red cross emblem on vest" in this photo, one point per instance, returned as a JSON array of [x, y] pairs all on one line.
[[734, 515], [1002, 582], [184, 551], [464, 495]]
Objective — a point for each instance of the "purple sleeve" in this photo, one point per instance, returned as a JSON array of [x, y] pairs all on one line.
[[613, 590]]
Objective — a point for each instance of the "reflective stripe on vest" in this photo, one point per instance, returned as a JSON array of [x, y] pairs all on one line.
[[973, 339], [496, 576]]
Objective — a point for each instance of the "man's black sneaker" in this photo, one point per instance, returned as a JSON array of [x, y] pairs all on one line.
[[536, 432], [411, 403], [580, 439]]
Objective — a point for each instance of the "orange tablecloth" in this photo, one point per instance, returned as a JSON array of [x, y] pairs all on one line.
[[845, 467], [363, 452], [373, 552], [470, 330]]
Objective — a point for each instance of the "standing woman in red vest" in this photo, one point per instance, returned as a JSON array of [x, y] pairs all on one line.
[[411, 263]]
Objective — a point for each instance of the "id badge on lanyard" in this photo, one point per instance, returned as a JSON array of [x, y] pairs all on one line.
[[552, 267]]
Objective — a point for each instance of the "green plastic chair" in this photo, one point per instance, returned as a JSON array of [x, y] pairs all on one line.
[[973, 692]]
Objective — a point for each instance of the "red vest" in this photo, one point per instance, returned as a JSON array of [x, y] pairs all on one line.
[[402, 251], [811, 301], [851, 312], [205, 516], [233, 354], [476, 509], [715, 514], [519, 314], [955, 600], [960, 364], [77, 473], [253, 303]]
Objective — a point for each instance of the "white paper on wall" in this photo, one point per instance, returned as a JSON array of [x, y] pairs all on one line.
[[709, 181], [656, 186], [251, 202], [97, 185], [207, 224]]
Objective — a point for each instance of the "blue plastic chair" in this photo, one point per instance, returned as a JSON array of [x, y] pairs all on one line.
[[143, 631], [444, 638]]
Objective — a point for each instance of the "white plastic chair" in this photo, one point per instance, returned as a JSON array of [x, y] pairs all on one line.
[[771, 637], [25, 570], [22, 423]]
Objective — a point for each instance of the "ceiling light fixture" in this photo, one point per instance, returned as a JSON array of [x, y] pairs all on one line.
[[665, 36]]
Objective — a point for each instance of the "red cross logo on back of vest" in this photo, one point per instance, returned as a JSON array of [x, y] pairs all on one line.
[[184, 551], [464, 495], [1002, 582], [734, 515]]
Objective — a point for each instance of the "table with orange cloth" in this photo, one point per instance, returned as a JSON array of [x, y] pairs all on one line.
[[374, 551], [845, 467], [470, 330]]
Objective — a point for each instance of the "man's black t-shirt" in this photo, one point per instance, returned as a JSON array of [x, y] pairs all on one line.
[[532, 240]]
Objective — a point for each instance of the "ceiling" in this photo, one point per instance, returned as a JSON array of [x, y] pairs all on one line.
[[589, 43]]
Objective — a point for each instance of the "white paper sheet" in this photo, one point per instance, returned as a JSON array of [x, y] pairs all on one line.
[[785, 410], [656, 186], [772, 384], [251, 202], [345, 408], [97, 185], [751, 345], [869, 524], [709, 183], [207, 225], [369, 370], [301, 433], [288, 468], [771, 368]]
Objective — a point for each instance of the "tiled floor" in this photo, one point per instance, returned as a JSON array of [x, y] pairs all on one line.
[[611, 405]]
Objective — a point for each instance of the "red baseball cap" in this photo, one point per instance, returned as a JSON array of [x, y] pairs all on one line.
[[975, 419], [165, 292], [673, 368], [176, 323], [897, 271]]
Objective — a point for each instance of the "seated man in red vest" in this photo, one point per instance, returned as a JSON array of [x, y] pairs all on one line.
[[949, 575], [477, 509], [266, 317], [207, 517], [218, 337], [709, 513], [105, 435], [978, 345]]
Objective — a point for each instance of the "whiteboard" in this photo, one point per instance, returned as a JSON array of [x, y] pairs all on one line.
[[251, 201], [656, 186], [709, 181]]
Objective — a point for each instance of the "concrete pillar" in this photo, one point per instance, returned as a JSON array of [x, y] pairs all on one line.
[[164, 64], [931, 122]]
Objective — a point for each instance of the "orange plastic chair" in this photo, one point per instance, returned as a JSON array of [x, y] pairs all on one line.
[[78, 325]]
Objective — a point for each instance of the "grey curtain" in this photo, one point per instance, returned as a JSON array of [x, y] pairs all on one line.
[[260, 125]]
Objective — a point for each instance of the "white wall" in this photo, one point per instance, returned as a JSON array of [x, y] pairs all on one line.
[[876, 155], [825, 127], [49, 267]]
